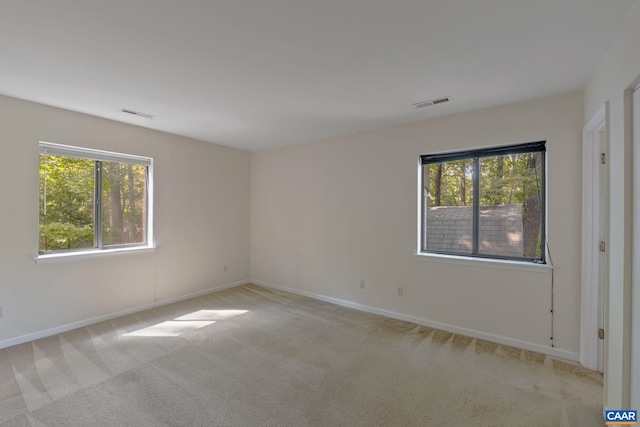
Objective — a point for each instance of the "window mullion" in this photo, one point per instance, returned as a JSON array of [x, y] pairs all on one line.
[[147, 192], [98, 206], [476, 206]]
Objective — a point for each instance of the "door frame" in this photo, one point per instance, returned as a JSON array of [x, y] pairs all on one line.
[[634, 392], [591, 349]]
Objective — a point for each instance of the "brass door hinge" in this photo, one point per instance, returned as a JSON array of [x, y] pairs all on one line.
[[601, 333], [601, 246], [603, 158]]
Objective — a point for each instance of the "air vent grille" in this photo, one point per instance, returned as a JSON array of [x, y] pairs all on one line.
[[137, 113], [432, 102]]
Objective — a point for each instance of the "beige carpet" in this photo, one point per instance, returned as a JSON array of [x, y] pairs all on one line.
[[249, 356]]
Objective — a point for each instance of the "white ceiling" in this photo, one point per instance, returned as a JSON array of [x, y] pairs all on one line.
[[255, 74]]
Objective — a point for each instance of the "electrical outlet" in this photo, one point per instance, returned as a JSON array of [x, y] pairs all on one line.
[[225, 268], [400, 291], [362, 284]]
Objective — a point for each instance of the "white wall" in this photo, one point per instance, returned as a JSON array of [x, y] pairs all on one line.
[[326, 215], [201, 222], [616, 74]]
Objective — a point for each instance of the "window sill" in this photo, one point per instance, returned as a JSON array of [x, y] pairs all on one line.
[[488, 262], [97, 253]]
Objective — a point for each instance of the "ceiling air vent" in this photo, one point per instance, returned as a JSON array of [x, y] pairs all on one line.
[[137, 113], [432, 102]]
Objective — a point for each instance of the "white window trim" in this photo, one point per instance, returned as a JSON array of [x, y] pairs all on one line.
[[89, 153], [486, 262], [49, 258], [92, 154]]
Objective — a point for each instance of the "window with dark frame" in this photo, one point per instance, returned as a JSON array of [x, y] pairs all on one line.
[[92, 199], [487, 203]]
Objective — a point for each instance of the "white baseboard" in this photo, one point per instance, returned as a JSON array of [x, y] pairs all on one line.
[[93, 320], [551, 351]]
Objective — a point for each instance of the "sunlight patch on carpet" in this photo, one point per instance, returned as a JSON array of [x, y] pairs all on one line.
[[183, 324]]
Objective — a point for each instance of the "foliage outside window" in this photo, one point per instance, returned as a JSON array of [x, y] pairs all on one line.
[[92, 199], [485, 203]]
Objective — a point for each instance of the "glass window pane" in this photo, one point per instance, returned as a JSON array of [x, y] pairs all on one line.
[[66, 203], [511, 205], [123, 203], [448, 198]]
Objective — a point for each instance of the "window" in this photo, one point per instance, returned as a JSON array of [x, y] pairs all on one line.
[[486, 203], [91, 200]]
